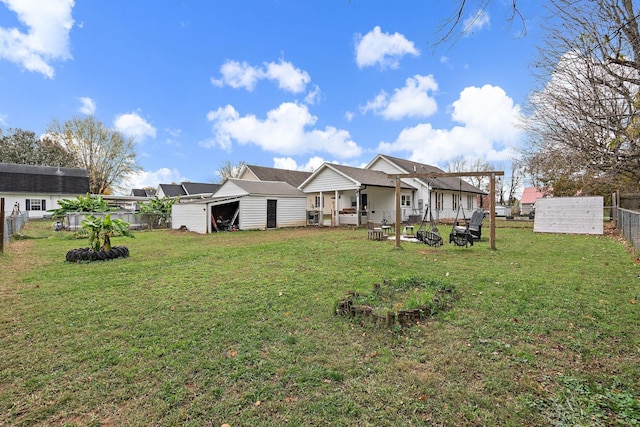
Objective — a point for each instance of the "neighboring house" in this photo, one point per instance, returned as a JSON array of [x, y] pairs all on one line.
[[528, 199], [261, 173], [36, 189], [243, 205], [186, 189], [445, 195], [143, 192], [357, 195]]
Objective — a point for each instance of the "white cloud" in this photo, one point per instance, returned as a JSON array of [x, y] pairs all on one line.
[[3, 119], [288, 163], [384, 49], [131, 124], [47, 38], [144, 179], [242, 75], [489, 129], [88, 106], [477, 22], [312, 96], [285, 130], [412, 100]]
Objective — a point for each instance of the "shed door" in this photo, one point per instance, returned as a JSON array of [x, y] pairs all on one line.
[[271, 213]]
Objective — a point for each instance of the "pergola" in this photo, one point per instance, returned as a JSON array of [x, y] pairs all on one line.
[[492, 199]]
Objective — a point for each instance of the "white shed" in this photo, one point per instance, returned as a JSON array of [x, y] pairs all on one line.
[[243, 205]]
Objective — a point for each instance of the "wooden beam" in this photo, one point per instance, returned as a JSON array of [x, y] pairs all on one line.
[[443, 174], [1, 225], [398, 213], [492, 211]]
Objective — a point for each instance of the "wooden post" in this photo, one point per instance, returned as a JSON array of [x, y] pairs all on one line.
[[398, 213], [1, 225], [492, 211]]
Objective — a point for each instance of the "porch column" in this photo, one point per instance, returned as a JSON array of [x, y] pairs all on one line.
[[321, 213]]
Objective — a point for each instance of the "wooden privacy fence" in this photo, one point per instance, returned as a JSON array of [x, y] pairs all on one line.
[[628, 222]]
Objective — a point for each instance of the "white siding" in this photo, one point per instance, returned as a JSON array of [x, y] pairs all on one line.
[[253, 213], [230, 189], [329, 180], [580, 215], [51, 202], [192, 215], [291, 212]]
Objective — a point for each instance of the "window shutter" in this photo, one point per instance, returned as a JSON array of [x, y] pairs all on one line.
[[44, 205], [27, 204]]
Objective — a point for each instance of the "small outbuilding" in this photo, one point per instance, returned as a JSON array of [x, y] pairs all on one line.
[[243, 205]]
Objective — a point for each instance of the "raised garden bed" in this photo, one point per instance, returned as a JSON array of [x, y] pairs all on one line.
[[404, 301]]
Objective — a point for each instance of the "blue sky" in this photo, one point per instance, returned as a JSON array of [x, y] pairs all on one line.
[[279, 83]]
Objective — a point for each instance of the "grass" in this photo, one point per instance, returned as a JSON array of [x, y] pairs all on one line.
[[239, 328]]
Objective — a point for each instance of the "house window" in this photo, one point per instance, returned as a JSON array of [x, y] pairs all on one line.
[[456, 201], [469, 202], [405, 200], [36, 205], [354, 201], [439, 205], [318, 202]]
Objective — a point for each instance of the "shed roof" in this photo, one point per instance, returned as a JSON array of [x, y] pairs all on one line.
[[265, 188]]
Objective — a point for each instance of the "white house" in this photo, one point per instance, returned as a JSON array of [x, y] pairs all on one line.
[[243, 205], [36, 189], [448, 196], [357, 195]]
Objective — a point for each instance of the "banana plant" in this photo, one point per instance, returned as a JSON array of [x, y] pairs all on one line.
[[101, 230]]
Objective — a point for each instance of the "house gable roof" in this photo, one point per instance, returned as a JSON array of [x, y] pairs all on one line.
[[171, 190], [358, 176], [531, 194], [292, 177], [442, 183], [192, 188], [17, 178]]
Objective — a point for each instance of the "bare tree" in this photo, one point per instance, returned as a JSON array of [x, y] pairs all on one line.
[[584, 129], [106, 154], [455, 25], [229, 170]]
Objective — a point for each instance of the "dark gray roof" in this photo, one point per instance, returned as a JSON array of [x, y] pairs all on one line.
[[368, 176], [292, 177], [143, 192], [446, 183], [43, 179], [172, 190], [192, 188], [267, 188]]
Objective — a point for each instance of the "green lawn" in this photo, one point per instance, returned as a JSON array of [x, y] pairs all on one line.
[[239, 328]]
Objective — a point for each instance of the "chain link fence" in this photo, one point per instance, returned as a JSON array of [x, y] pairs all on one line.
[[628, 222], [13, 224]]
